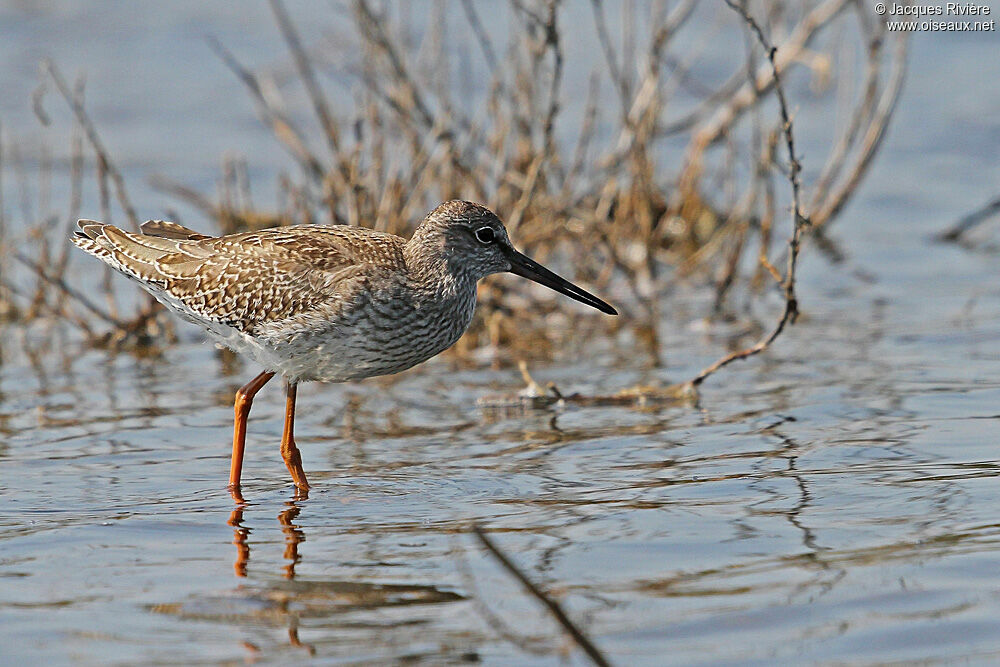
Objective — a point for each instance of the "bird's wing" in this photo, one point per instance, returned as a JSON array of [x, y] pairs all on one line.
[[249, 279], [171, 230]]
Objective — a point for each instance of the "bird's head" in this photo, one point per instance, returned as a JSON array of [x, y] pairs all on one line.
[[474, 243]]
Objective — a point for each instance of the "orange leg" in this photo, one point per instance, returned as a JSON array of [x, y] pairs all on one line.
[[244, 399], [289, 451]]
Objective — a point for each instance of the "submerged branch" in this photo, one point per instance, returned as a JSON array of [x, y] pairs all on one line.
[[969, 221], [554, 607]]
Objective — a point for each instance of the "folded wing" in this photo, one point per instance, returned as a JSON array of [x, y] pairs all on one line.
[[243, 280]]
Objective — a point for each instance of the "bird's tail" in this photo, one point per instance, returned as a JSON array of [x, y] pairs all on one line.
[[135, 255]]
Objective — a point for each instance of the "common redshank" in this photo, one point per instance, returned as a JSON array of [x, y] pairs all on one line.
[[327, 303]]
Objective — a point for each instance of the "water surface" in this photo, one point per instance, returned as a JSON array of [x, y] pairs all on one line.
[[834, 501]]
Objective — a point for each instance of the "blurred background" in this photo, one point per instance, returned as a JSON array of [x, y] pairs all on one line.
[[829, 499]]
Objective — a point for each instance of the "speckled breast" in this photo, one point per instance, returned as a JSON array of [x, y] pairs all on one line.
[[380, 333]]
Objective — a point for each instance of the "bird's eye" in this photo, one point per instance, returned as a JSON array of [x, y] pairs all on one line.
[[484, 235]]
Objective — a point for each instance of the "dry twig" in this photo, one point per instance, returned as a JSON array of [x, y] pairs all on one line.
[[95, 142], [799, 221], [593, 196]]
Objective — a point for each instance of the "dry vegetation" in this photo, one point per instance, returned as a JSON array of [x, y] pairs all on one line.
[[657, 175]]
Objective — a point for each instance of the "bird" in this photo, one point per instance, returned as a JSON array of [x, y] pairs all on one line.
[[328, 303]]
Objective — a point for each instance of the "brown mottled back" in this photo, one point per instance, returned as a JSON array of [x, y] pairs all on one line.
[[291, 269]]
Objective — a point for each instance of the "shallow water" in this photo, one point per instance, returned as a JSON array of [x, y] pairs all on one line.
[[833, 501]]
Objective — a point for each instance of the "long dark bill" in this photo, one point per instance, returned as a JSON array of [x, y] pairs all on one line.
[[528, 268]]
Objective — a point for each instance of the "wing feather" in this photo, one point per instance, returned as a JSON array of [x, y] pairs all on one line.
[[171, 230], [249, 279]]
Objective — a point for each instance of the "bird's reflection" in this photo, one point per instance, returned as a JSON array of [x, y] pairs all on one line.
[[294, 535], [240, 533], [325, 605]]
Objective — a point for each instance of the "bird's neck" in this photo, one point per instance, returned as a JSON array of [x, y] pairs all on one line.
[[429, 269]]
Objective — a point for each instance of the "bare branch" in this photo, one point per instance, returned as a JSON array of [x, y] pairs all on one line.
[[95, 142], [304, 67], [289, 136], [554, 607], [799, 222]]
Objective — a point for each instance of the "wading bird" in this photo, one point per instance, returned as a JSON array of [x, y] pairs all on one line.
[[326, 303]]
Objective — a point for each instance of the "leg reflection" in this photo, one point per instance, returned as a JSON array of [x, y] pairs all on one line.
[[293, 537], [240, 534], [293, 639], [293, 534]]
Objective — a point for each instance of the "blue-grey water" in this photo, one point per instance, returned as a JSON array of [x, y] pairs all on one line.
[[836, 500]]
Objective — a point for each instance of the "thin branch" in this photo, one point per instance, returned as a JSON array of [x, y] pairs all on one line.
[[61, 285], [799, 222], [95, 142], [966, 222], [289, 136], [618, 78], [862, 112], [371, 26], [554, 607], [76, 185], [308, 76], [751, 92], [872, 141], [482, 37]]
